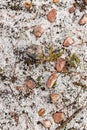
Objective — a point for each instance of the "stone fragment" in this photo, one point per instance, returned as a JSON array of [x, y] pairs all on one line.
[[72, 9], [41, 112], [51, 16], [55, 1], [54, 97], [83, 20], [68, 41], [38, 31], [20, 88], [47, 123], [60, 64], [58, 117], [30, 83], [28, 5], [51, 80]]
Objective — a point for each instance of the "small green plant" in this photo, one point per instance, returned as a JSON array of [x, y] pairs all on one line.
[[52, 55], [39, 79], [73, 60]]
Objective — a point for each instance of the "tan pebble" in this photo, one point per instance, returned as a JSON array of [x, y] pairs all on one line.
[[68, 41], [52, 15], [38, 31], [20, 88], [60, 64], [41, 112], [28, 5], [58, 117], [54, 97], [51, 80], [83, 20], [47, 123], [55, 1], [72, 9], [30, 84]]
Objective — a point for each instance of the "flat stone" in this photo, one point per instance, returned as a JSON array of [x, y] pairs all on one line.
[[30, 83], [68, 41], [38, 31], [54, 97], [58, 117], [51, 80], [47, 123], [60, 64], [52, 15]]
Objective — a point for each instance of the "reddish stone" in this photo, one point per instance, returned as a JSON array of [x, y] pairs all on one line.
[[51, 80], [30, 84], [83, 20], [68, 41], [60, 64], [58, 117], [52, 15]]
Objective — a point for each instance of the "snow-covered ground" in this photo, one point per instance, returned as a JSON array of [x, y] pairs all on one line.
[[16, 32]]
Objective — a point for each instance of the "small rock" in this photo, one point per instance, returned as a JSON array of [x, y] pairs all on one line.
[[72, 9], [30, 83], [60, 64], [55, 1], [38, 31], [20, 88], [83, 20], [68, 41], [54, 97], [47, 123], [41, 112], [51, 80], [52, 15], [28, 5], [58, 117]]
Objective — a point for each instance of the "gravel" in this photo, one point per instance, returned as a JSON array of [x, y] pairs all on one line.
[[19, 111]]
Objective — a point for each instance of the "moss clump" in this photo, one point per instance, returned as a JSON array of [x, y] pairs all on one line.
[[52, 55], [74, 60]]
